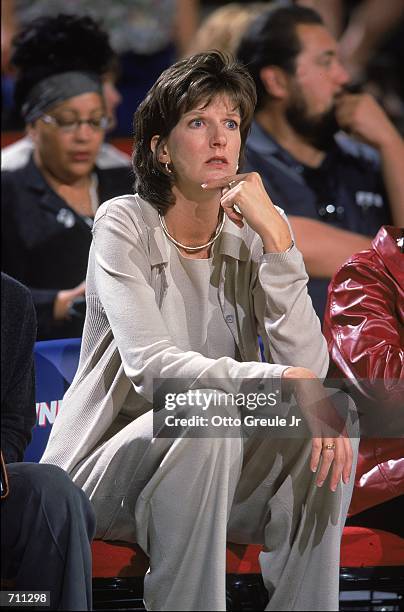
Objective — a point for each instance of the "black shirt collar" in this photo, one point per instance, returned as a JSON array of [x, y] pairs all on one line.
[[262, 143]]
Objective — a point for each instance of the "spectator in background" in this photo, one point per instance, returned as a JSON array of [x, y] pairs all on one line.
[[364, 328], [336, 190], [48, 205], [370, 40], [224, 26], [47, 522], [17, 154], [148, 36], [360, 34]]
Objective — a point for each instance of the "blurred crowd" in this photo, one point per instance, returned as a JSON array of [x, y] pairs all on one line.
[[359, 99], [147, 36]]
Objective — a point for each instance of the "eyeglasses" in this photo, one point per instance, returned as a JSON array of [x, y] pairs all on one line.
[[71, 125]]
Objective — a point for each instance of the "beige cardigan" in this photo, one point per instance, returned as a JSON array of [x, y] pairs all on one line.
[[126, 345]]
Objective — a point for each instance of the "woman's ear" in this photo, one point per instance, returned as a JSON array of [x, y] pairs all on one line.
[[154, 142], [160, 148], [31, 132]]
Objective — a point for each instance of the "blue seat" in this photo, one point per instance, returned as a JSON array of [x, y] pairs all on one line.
[[56, 363]]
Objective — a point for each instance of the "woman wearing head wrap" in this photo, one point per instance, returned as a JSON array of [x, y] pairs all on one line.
[[49, 204]]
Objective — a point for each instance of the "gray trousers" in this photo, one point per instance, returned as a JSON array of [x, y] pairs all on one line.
[[182, 499], [47, 525]]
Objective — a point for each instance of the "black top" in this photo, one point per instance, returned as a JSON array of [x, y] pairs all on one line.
[[18, 331], [345, 191], [45, 243]]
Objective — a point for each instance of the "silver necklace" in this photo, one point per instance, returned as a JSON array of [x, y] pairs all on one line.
[[218, 231]]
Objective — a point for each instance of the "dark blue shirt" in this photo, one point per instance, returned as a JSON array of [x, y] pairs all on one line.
[[18, 331], [45, 243], [345, 191]]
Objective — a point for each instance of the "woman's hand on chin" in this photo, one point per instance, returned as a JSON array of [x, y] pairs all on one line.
[[244, 199]]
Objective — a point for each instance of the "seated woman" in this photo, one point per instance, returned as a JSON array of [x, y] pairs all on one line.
[[179, 285], [49, 204]]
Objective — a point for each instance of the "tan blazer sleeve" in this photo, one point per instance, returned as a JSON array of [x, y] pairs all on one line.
[[286, 319]]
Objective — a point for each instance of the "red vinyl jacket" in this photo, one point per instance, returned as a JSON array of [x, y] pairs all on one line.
[[364, 328]]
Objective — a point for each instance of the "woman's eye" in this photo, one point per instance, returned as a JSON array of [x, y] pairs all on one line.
[[196, 123], [231, 124], [66, 123]]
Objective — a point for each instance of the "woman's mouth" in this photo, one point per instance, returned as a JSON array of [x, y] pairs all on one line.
[[219, 162], [81, 157]]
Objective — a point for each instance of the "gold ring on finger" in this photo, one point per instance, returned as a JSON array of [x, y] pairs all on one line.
[[329, 446]]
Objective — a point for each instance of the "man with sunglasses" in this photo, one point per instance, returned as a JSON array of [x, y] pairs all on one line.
[[336, 190]]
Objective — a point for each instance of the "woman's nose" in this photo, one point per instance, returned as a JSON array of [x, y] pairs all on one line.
[[218, 138], [84, 131]]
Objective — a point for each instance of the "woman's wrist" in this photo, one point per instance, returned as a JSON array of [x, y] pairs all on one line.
[[279, 244], [61, 305], [276, 236], [298, 372]]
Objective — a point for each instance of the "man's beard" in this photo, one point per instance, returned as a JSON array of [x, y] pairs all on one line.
[[318, 130]]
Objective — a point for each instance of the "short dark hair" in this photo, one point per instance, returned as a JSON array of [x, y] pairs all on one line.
[[52, 45], [180, 88], [271, 39]]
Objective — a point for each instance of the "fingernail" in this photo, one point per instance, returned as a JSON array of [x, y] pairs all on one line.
[[314, 470], [333, 489], [320, 484], [204, 185]]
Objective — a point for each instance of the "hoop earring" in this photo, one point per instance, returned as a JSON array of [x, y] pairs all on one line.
[[167, 168]]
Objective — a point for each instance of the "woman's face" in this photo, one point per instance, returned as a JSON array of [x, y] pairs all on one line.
[[205, 143], [69, 154]]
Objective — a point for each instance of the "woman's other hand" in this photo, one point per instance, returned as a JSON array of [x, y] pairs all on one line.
[[64, 300], [330, 443]]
